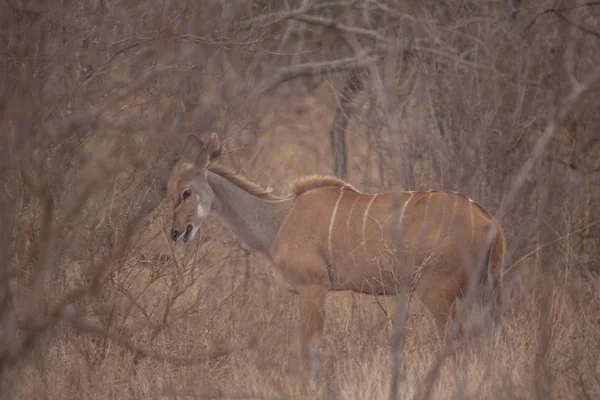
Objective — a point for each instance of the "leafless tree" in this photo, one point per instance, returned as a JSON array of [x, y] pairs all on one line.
[[497, 100]]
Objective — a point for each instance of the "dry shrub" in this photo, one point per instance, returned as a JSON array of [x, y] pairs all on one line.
[[97, 96]]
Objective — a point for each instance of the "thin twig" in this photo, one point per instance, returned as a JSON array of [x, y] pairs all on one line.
[[78, 324], [211, 395], [557, 117], [330, 23], [313, 68]]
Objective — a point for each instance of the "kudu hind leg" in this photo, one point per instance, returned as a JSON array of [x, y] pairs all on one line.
[[312, 321], [445, 309]]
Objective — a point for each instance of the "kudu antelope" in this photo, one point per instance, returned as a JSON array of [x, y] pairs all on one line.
[[328, 236]]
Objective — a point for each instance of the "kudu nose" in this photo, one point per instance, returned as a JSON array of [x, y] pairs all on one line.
[[174, 234]]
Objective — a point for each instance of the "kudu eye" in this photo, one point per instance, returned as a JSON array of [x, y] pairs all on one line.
[[187, 193]]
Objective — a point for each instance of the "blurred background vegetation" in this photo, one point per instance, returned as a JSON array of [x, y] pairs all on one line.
[[97, 96]]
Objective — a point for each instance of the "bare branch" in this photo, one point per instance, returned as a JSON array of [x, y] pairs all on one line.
[[78, 324], [343, 112], [212, 395], [330, 23], [265, 20], [558, 12], [314, 68], [560, 114]]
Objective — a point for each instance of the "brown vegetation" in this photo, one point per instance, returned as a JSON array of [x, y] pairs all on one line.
[[497, 100]]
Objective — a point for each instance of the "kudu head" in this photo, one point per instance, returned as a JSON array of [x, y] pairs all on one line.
[[188, 188]]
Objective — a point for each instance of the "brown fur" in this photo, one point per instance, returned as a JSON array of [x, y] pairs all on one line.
[[328, 236]]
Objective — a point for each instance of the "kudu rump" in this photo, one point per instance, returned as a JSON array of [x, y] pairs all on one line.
[[328, 236]]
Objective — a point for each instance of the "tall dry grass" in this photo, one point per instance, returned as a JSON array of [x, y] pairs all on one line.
[[97, 96], [355, 349]]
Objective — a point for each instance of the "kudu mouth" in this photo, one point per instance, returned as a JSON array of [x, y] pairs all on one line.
[[185, 236], [188, 230]]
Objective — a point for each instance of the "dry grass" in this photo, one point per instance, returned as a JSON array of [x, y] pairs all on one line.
[[355, 346], [96, 303]]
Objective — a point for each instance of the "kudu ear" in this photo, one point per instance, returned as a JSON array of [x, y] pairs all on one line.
[[193, 148], [166, 177], [211, 152]]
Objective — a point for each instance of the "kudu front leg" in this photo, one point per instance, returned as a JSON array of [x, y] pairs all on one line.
[[312, 321]]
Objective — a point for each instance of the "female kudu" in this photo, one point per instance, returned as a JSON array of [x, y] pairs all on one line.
[[328, 236]]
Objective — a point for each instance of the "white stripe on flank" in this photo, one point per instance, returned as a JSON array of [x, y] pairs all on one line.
[[349, 219], [472, 221], [441, 220], [337, 203], [426, 209], [404, 209], [453, 211], [364, 225], [350, 214]]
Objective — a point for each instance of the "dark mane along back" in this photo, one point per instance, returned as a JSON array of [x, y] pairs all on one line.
[[299, 186], [242, 182], [304, 184]]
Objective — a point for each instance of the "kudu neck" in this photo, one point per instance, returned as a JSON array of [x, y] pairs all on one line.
[[253, 219]]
